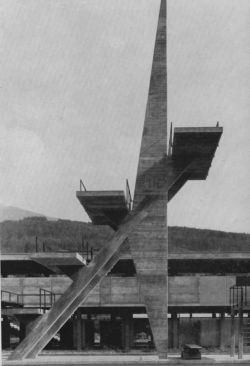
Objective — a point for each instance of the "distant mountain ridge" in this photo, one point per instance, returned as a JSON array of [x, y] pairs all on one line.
[[19, 236], [15, 213]]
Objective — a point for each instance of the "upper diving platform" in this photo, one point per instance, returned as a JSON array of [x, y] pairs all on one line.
[[197, 145], [105, 207]]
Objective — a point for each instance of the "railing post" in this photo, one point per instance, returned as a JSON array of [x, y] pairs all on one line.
[[232, 342], [128, 195], [91, 253], [82, 246], [82, 185], [240, 340], [40, 292], [242, 297], [87, 251], [36, 244], [170, 141]]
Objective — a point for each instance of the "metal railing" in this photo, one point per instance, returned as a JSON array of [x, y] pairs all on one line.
[[128, 196], [44, 302], [82, 186], [239, 296], [44, 246], [86, 249], [9, 297], [170, 144]]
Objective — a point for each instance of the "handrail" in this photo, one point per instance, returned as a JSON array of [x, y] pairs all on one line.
[[43, 294], [238, 296], [128, 196], [43, 247], [10, 296], [170, 144], [89, 252], [82, 185]]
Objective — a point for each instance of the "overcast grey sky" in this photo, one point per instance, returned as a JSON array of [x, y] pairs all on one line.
[[74, 83]]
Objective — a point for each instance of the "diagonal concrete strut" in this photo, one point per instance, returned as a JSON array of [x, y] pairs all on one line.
[[85, 280]]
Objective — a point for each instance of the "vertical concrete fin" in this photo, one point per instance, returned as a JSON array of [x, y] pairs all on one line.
[[154, 137], [148, 242]]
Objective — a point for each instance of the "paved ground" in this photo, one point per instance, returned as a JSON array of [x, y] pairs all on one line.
[[222, 360]]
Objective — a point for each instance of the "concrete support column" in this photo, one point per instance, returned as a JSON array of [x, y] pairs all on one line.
[[175, 330], [232, 343], [131, 331], [240, 342], [78, 330], [213, 315], [222, 331], [125, 331], [5, 332], [97, 327], [74, 332], [83, 333]]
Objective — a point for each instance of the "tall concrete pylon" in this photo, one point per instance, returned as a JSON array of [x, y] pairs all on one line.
[[149, 242]]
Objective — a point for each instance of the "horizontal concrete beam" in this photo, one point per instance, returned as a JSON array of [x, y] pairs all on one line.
[[171, 256]]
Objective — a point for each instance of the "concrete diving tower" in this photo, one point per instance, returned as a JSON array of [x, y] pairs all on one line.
[[143, 229]]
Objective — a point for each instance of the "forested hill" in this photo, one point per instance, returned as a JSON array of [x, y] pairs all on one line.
[[20, 236]]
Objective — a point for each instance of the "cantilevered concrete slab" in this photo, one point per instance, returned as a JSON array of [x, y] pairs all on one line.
[[197, 144], [192, 152], [104, 207], [58, 259], [23, 311], [60, 263]]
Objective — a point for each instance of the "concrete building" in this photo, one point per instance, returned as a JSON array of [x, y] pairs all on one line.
[[133, 290]]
